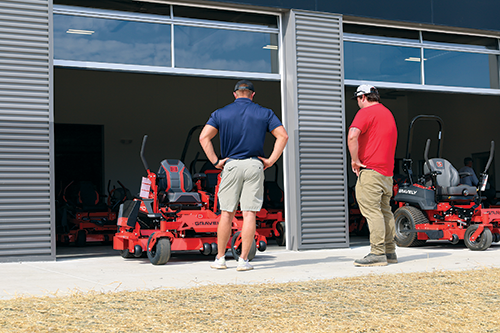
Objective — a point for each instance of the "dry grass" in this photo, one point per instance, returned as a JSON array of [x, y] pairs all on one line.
[[466, 301]]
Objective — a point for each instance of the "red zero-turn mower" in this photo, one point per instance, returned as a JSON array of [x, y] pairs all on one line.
[[270, 219], [172, 216], [84, 217], [438, 207]]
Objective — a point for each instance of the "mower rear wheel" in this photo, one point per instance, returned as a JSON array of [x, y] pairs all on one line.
[[406, 218], [482, 242], [160, 253], [236, 247]]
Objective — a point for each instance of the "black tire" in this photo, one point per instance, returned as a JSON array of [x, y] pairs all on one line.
[[482, 242], [160, 253], [236, 251], [496, 238], [81, 238], [207, 249], [406, 218], [281, 239], [126, 254], [214, 250]]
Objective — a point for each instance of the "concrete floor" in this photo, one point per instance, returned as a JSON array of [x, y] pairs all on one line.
[[100, 268]]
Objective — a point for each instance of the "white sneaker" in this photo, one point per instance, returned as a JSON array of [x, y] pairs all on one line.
[[243, 265], [219, 263]]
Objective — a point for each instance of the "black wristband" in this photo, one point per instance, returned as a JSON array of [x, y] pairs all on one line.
[[215, 164]]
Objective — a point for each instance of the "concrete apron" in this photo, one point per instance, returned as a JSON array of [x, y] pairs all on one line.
[[102, 269]]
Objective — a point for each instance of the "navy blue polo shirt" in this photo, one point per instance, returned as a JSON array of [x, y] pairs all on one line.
[[242, 127]]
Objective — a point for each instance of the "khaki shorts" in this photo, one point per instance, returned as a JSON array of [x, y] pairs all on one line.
[[242, 181]]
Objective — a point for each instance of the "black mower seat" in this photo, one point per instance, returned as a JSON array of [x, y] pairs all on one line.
[[448, 180], [175, 180]]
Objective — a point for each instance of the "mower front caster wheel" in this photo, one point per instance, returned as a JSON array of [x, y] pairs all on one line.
[[126, 254], [236, 247], [482, 242], [160, 253]]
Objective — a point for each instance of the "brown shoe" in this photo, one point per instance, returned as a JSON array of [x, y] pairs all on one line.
[[392, 258], [372, 260]]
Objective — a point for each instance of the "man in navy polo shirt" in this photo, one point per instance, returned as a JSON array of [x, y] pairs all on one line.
[[242, 126]]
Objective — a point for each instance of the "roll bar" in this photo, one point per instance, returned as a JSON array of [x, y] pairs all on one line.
[[492, 153], [426, 153], [144, 162], [188, 141], [407, 162], [410, 133]]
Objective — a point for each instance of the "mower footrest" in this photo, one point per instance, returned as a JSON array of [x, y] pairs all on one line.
[[432, 234]]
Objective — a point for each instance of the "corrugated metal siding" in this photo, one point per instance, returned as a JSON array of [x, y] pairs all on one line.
[[321, 131], [26, 225]]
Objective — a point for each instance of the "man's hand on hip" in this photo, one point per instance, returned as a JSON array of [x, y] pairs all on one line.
[[356, 166], [221, 163], [267, 163]]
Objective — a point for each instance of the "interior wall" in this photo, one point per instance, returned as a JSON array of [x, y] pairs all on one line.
[[130, 105], [166, 107], [470, 124]]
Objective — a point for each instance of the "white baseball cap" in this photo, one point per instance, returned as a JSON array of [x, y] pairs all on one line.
[[363, 90]]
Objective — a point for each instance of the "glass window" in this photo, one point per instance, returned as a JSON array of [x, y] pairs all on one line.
[[269, 21], [220, 49], [460, 40], [462, 69], [395, 34], [122, 6], [111, 41], [363, 61]]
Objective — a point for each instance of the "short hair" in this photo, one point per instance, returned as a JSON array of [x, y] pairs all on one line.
[[467, 160], [373, 96], [244, 92]]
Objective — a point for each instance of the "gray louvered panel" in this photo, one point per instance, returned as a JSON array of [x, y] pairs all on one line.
[[21, 233], [321, 131], [35, 224], [26, 205], [7, 124], [15, 223], [33, 242]]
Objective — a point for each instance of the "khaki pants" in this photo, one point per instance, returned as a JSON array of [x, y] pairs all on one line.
[[373, 193]]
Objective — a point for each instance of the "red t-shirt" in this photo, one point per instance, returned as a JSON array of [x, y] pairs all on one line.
[[378, 138]]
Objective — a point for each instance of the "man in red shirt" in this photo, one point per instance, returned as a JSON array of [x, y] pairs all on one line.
[[372, 142]]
